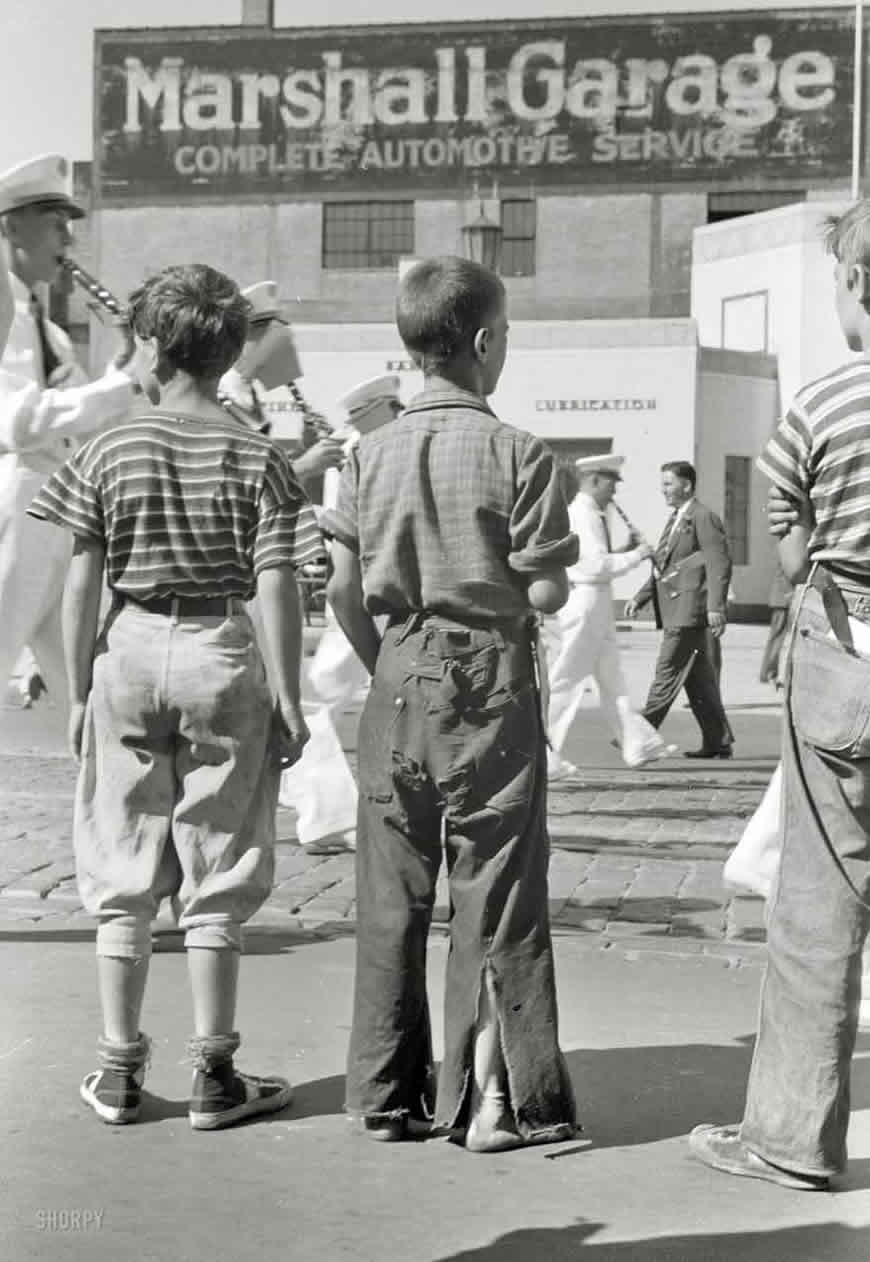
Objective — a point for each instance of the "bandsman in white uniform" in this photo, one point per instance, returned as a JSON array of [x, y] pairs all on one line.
[[47, 408], [320, 786], [581, 639]]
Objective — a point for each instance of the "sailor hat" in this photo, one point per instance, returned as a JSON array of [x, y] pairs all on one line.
[[263, 298], [369, 395], [605, 463], [46, 180]]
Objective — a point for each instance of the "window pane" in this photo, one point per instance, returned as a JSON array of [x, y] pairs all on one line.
[[518, 221], [367, 234], [737, 475]]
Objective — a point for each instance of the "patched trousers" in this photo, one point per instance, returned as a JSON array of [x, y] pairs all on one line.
[[451, 745]]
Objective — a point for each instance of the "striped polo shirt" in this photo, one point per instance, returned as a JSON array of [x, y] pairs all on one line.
[[184, 506], [821, 449]]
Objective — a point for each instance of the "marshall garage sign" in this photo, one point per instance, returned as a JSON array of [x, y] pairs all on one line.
[[237, 112]]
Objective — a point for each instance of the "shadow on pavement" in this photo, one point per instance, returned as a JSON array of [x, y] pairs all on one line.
[[320, 1098], [640, 1095], [573, 1244]]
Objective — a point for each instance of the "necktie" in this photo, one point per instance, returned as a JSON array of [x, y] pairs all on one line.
[[50, 360], [664, 541], [607, 539]]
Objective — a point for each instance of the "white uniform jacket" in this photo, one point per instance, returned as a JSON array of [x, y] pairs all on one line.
[[597, 565], [39, 427]]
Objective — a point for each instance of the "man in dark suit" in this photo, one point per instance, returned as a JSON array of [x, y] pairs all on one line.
[[689, 590]]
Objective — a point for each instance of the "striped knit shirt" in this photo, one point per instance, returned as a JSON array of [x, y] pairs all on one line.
[[821, 449], [184, 506]]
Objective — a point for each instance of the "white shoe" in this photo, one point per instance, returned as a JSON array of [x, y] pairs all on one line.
[[650, 754], [332, 843], [560, 768]]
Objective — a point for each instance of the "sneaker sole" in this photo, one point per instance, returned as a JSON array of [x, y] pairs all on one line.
[[115, 1117], [250, 1108]]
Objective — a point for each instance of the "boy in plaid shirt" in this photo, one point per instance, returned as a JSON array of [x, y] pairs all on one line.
[[454, 527]]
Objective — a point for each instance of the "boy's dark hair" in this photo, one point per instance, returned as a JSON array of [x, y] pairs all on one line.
[[442, 302], [197, 315], [681, 469]]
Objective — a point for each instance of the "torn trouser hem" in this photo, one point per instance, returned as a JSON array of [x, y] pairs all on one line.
[[392, 1115]]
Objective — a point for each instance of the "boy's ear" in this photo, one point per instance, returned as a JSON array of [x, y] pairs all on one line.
[[481, 343], [859, 282]]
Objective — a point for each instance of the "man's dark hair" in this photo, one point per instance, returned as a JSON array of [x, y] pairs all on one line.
[[197, 315], [442, 302], [681, 469]]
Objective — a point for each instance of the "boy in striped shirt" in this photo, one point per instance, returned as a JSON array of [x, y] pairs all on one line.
[[797, 1106], [172, 722]]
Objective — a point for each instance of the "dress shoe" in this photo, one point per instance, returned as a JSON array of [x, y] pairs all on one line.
[[724, 751]]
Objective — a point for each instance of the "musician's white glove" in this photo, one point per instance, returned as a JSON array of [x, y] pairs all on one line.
[[327, 453]]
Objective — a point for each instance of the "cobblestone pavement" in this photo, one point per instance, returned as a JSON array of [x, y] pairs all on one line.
[[637, 857]]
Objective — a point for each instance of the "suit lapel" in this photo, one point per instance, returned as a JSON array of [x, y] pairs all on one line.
[[685, 521]]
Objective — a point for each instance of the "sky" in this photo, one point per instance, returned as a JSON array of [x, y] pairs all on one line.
[[46, 46]]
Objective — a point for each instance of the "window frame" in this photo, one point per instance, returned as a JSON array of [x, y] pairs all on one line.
[[371, 222], [738, 532], [527, 238]]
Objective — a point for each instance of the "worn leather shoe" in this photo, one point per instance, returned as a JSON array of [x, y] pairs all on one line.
[[722, 1148], [724, 751]]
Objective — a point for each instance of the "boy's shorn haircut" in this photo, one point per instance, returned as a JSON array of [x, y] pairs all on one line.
[[197, 315], [442, 303], [847, 236]]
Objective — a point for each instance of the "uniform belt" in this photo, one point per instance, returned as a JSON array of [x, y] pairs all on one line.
[[187, 606]]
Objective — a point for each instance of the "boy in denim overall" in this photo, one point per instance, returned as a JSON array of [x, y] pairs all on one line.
[[454, 527], [797, 1106], [172, 719]]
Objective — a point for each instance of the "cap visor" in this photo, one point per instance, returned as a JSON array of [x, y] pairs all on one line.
[[74, 211]]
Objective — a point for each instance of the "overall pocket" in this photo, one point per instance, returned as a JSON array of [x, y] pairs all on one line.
[[830, 694]]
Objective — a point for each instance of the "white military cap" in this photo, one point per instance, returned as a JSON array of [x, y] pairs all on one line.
[[46, 180], [370, 394], [263, 298], [608, 464]]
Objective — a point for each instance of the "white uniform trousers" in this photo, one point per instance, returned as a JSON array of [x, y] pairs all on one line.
[[34, 559], [581, 643], [320, 786]]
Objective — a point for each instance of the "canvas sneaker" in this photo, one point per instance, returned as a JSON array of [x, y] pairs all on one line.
[[222, 1096], [113, 1095]]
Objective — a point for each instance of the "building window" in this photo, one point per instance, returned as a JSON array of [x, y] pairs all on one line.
[[746, 322], [367, 234], [737, 474], [519, 226], [722, 206]]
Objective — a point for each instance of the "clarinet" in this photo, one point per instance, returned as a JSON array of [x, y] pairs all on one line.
[[633, 529], [104, 296], [316, 420]]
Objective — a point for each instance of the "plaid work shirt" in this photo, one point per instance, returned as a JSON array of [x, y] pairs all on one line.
[[450, 511]]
